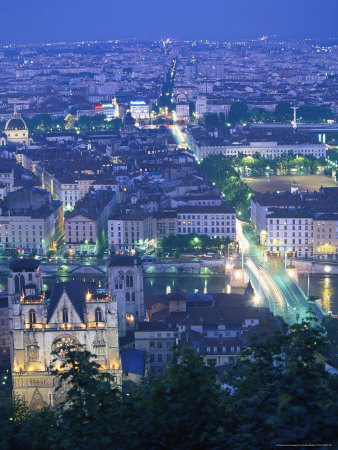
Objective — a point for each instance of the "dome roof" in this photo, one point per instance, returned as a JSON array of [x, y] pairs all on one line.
[[15, 123]]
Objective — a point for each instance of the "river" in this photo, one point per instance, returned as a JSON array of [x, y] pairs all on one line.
[[325, 286]]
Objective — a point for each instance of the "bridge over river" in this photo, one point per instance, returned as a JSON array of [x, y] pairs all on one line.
[[282, 294]]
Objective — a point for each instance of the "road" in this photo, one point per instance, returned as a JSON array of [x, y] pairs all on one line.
[[179, 136], [283, 294]]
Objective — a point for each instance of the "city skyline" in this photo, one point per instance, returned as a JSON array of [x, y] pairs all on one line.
[[40, 22]]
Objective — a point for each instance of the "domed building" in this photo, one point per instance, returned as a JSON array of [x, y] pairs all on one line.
[[16, 130]]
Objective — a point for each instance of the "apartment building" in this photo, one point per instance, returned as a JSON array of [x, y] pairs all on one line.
[[325, 236], [86, 226], [158, 341], [163, 224], [71, 188], [200, 107], [129, 232], [290, 232], [182, 111], [260, 204], [217, 221], [216, 326], [7, 178], [31, 221]]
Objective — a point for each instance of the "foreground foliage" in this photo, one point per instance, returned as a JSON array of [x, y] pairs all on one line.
[[278, 393]]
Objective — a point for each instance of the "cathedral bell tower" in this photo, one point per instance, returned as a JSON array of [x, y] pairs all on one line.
[[125, 282]]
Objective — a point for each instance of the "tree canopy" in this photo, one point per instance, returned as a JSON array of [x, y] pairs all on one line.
[[277, 392]]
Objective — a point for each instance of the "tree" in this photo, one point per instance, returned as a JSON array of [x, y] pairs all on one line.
[[277, 392], [260, 115], [239, 113], [90, 415], [283, 112], [182, 408], [294, 400], [211, 120]]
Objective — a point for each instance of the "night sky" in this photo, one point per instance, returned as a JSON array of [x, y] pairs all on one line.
[[70, 20]]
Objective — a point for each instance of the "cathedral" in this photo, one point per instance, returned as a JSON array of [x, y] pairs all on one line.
[[74, 314], [16, 131]]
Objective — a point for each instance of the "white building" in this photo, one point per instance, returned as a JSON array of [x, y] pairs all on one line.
[[33, 223], [200, 107], [213, 221], [218, 108], [182, 111], [290, 232], [267, 149], [129, 232], [139, 110]]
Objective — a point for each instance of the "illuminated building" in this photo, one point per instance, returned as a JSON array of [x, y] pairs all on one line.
[[182, 111], [290, 232], [31, 221], [128, 232], [16, 130], [110, 110], [74, 315], [325, 236], [210, 220], [139, 110]]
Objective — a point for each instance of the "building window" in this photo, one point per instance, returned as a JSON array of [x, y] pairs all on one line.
[[127, 297], [133, 297], [129, 279], [65, 315], [32, 316], [98, 315], [129, 319]]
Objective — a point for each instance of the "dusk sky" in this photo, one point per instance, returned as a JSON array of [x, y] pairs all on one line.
[[46, 20]]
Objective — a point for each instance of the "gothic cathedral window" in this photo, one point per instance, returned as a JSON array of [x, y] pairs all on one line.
[[32, 316], [129, 279], [98, 315], [65, 315]]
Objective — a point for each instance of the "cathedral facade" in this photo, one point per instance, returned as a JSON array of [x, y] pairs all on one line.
[[74, 315]]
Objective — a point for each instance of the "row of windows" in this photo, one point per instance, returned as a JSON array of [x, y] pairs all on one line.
[[306, 221], [206, 217], [160, 357], [65, 315], [206, 230]]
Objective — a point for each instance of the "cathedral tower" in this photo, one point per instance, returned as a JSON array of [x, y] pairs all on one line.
[[125, 281]]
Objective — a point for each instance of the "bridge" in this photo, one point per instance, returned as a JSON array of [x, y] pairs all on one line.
[[282, 294], [320, 127]]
